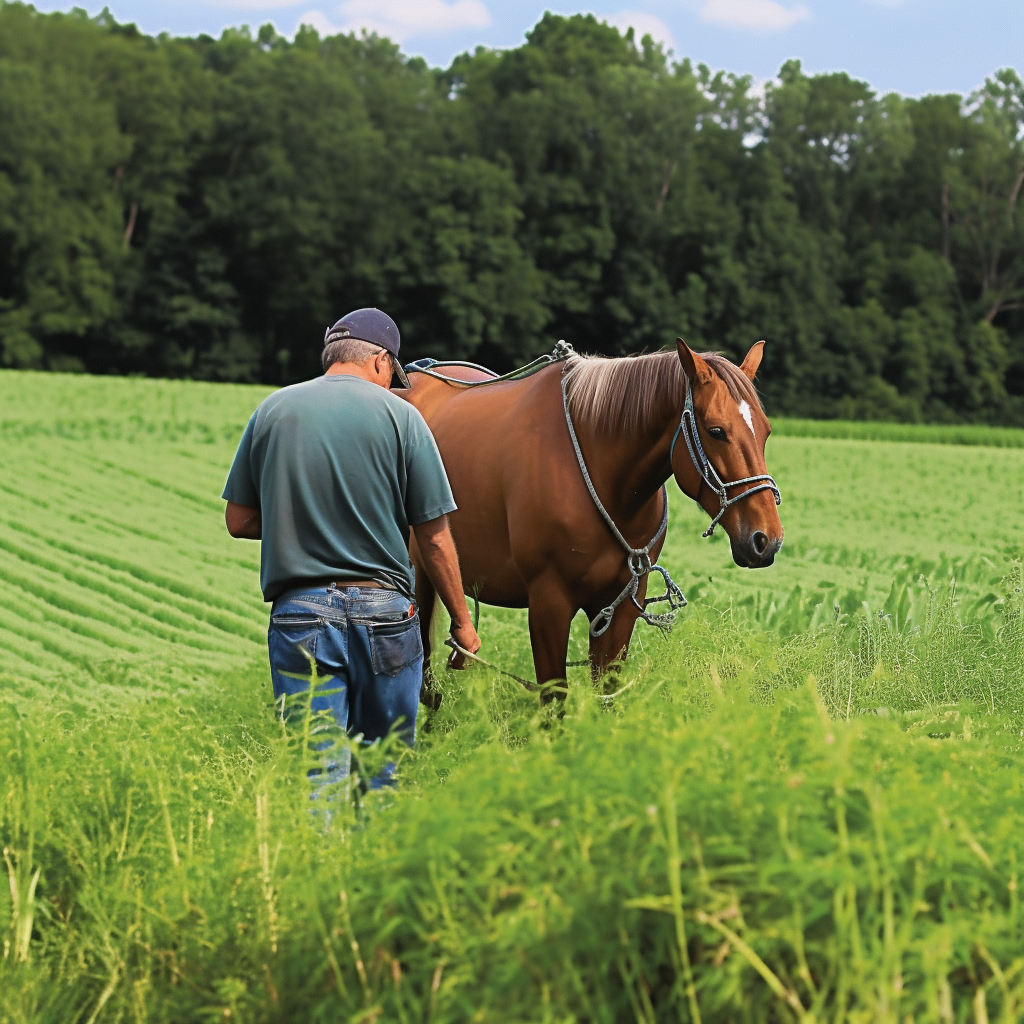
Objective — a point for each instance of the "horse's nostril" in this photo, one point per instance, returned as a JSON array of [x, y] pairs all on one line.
[[759, 540]]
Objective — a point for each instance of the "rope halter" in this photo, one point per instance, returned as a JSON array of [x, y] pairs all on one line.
[[638, 560], [688, 428]]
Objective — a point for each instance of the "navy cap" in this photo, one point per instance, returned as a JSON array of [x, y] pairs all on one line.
[[376, 327]]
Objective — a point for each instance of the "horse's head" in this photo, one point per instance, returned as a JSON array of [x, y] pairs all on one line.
[[718, 453]]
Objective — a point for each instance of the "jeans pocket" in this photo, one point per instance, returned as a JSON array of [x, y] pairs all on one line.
[[292, 643], [393, 645]]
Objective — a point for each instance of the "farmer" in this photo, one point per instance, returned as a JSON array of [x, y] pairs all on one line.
[[331, 475]]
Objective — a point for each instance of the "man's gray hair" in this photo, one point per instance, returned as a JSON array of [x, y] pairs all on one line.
[[348, 350]]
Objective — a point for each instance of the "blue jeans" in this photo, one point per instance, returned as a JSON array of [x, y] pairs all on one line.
[[365, 644]]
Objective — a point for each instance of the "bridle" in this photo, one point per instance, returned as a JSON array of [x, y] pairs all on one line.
[[688, 428]]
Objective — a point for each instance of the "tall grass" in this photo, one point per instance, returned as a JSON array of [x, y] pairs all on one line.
[[829, 827]]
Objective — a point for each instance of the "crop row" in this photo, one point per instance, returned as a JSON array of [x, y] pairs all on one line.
[[972, 434], [114, 563]]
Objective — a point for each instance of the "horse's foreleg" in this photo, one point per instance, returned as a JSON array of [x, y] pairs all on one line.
[[426, 599], [551, 613], [613, 644]]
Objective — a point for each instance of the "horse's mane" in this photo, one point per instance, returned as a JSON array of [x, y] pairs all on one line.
[[630, 394]]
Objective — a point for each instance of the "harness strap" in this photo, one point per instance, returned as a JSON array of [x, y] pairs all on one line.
[[638, 560], [562, 351]]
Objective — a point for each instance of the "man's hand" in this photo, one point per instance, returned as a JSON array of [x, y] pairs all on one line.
[[465, 636], [437, 550], [243, 522]]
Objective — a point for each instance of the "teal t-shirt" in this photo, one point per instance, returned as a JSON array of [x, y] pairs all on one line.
[[339, 468]]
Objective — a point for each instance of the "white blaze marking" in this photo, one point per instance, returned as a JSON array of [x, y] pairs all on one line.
[[745, 413]]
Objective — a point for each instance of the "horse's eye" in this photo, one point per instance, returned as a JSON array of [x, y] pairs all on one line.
[[717, 433]]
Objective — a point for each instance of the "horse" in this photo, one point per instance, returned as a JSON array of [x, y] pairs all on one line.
[[528, 529]]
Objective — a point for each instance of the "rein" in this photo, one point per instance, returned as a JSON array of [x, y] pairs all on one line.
[[687, 427]]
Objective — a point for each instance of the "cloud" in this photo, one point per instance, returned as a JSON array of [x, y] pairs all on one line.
[[255, 5], [756, 15], [400, 19], [320, 21], [642, 24]]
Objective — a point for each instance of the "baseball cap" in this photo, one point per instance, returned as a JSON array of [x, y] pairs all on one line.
[[376, 327]]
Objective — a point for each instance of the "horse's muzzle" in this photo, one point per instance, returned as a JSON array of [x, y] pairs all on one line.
[[756, 550]]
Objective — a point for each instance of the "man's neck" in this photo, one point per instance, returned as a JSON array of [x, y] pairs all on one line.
[[366, 372]]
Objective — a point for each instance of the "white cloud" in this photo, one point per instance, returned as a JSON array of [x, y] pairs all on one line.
[[757, 15], [256, 5], [320, 21], [642, 24], [400, 19]]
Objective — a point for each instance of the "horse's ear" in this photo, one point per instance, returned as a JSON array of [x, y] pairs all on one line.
[[753, 361], [697, 371]]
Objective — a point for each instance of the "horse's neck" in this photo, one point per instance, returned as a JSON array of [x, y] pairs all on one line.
[[630, 469]]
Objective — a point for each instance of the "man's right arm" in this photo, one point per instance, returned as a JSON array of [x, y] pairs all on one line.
[[437, 550], [242, 516], [243, 522]]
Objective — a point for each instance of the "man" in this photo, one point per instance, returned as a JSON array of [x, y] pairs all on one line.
[[331, 474]]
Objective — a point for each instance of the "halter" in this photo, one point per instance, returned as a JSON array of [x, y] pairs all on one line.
[[708, 473]]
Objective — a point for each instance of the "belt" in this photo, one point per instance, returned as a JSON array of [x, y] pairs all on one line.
[[336, 584]]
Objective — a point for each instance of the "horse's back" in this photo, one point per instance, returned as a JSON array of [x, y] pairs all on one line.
[[441, 402], [427, 392], [470, 374]]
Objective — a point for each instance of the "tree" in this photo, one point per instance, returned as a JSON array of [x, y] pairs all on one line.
[[985, 179], [205, 207], [60, 225]]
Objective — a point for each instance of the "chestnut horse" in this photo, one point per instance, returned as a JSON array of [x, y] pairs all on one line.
[[528, 531]]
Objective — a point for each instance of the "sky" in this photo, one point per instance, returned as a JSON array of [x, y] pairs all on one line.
[[909, 46]]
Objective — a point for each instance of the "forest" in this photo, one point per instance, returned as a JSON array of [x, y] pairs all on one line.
[[204, 208]]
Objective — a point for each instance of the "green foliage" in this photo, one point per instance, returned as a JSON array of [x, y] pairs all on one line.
[[203, 208], [856, 863], [806, 799]]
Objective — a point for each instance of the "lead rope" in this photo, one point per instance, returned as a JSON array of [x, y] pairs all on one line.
[[549, 687], [638, 560]]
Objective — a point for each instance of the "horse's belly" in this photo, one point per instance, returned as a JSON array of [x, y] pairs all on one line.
[[480, 531]]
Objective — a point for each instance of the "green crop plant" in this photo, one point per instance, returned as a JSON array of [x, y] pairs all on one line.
[[805, 804]]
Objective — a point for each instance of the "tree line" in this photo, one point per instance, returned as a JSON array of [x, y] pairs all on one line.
[[205, 207]]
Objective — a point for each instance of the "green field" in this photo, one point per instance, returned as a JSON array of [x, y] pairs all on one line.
[[805, 804]]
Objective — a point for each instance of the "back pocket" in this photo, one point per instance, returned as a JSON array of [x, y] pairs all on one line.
[[393, 645], [292, 642]]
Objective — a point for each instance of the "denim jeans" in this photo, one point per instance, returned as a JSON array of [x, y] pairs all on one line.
[[365, 644]]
